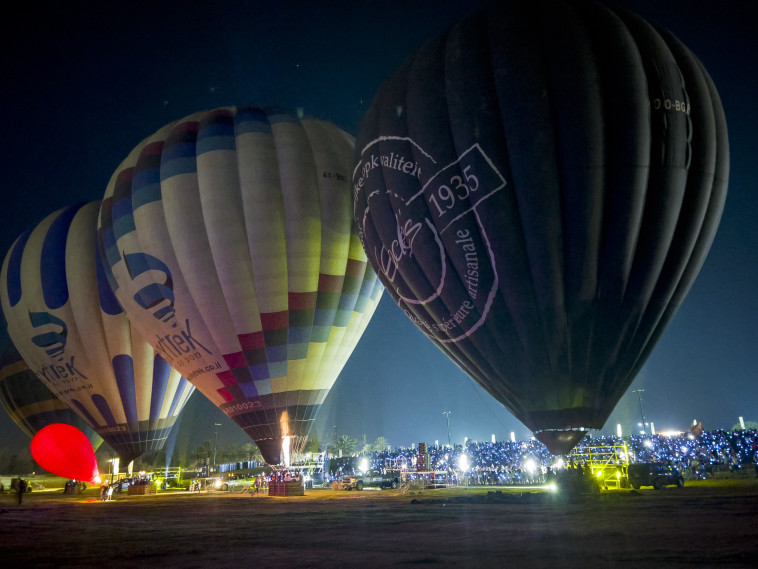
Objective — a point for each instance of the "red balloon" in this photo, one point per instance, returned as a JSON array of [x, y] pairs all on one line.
[[65, 451]]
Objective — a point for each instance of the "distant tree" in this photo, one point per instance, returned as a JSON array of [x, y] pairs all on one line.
[[313, 445], [347, 445], [232, 453], [380, 444], [748, 425], [202, 453], [237, 452], [17, 463], [151, 460], [252, 452]]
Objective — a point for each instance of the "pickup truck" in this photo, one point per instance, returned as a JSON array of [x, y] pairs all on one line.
[[375, 478]]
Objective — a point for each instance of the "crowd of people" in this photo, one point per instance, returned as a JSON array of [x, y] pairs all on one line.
[[529, 462]]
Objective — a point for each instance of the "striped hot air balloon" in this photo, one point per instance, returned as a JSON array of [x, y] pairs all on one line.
[[31, 404], [68, 326], [230, 242]]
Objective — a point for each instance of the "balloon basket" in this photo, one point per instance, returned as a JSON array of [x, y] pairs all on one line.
[[141, 489], [294, 488]]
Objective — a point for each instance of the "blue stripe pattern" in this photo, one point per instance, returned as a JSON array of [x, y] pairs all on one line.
[[161, 372], [13, 282], [53, 260], [123, 368]]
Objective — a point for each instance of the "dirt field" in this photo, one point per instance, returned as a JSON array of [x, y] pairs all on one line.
[[705, 524]]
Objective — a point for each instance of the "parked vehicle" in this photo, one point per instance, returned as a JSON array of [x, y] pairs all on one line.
[[654, 474], [375, 478]]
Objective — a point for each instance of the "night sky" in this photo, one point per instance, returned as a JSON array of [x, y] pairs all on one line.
[[81, 87]]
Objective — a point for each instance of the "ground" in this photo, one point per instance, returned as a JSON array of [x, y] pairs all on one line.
[[704, 524]]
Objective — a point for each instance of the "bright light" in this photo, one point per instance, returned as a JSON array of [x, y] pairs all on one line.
[[671, 433], [558, 464], [97, 480], [463, 463], [618, 430], [363, 464], [217, 484], [513, 437], [530, 466], [553, 487], [684, 449], [648, 443], [286, 451], [493, 438]]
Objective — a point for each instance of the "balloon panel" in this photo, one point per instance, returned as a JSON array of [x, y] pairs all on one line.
[[68, 326], [537, 189], [228, 239], [30, 403], [65, 451]]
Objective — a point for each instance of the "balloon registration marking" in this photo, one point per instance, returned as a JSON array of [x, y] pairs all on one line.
[[452, 192]]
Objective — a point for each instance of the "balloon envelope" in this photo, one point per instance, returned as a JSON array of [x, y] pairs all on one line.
[[229, 239], [65, 451], [537, 189], [31, 404], [66, 323]]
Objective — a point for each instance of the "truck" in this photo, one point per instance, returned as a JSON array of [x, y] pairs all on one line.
[[372, 478], [654, 474]]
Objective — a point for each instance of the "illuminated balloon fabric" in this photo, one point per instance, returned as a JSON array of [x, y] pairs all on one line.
[[70, 329], [65, 451], [232, 247], [538, 189], [30, 403]]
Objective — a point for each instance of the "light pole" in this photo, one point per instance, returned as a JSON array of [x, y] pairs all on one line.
[[215, 444], [639, 393], [447, 415]]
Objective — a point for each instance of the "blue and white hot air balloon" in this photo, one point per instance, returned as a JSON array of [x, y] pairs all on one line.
[[70, 329]]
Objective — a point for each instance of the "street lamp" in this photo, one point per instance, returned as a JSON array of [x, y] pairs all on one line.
[[215, 445], [639, 393], [447, 415]]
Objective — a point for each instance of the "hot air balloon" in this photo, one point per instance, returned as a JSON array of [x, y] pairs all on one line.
[[229, 239], [65, 451], [68, 326], [30, 403], [537, 188]]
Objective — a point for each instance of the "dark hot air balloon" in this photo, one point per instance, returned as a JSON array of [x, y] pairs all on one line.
[[537, 188]]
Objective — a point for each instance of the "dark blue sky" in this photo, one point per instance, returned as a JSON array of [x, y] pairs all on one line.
[[82, 86]]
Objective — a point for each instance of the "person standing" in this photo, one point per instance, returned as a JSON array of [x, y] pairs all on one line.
[[20, 489]]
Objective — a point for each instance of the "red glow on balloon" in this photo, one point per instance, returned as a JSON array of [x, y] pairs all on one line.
[[65, 451]]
